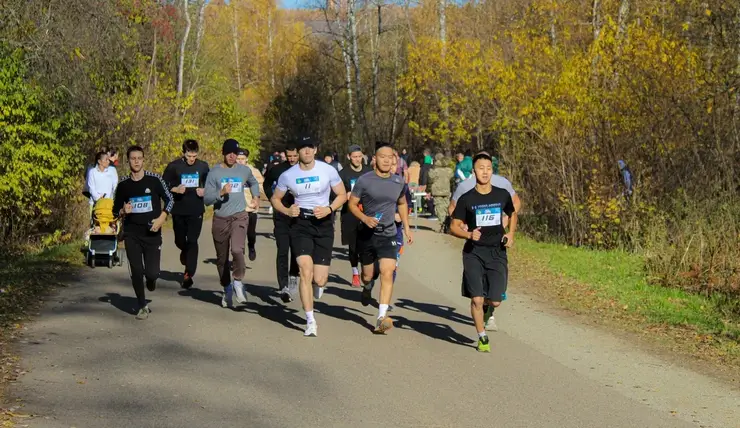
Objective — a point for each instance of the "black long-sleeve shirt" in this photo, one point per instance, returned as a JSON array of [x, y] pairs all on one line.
[[192, 176], [271, 179], [148, 196]]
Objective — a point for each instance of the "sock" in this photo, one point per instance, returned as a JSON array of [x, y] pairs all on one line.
[[355, 271], [309, 317], [481, 334], [382, 309]]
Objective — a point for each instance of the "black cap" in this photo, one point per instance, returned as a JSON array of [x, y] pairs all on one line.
[[306, 142], [240, 152], [230, 146], [354, 148]]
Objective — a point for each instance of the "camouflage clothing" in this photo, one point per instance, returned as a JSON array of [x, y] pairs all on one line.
[[440, 181], [441, 205]]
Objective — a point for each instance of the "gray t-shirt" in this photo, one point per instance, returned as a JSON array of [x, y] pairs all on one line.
[[379, 197], [469, 183], [234, 202]]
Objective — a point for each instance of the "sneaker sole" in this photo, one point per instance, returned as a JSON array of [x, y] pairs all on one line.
[[240, 298], [286, 298], [484, 349], [384, 327]]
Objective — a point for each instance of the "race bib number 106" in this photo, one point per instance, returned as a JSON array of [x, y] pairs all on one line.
[[141, 204], [488, 217]]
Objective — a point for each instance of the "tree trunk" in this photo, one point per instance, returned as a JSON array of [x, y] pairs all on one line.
[[183, 43], [553, 33], [356, 62], [152, 67], [269, 47], [623, 18], [443, 21], [235, 36], [200, 31], [596, 18], [376, 61]]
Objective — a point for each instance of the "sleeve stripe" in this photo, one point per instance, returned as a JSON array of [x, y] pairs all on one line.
[[167, 194]]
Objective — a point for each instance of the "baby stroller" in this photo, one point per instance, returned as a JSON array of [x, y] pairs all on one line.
[[102, 244]]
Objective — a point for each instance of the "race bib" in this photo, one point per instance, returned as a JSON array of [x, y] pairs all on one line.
[[488, 217], [190, 180], [141, 204], [352, 184], [308, 185], [237, 186]]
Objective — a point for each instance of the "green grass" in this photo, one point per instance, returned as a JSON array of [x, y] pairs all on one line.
[[617, 280], [24, 279]]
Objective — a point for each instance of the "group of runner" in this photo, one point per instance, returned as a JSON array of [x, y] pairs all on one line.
[[306, 194]]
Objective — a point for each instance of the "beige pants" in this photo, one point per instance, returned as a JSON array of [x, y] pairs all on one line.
[[229, 235]]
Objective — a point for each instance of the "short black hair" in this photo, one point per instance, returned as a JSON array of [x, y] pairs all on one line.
[[190, 146], [134, 148], [99, 155], [291, 146], [380, 144], [112, 151], [483, 156], [329, 154]]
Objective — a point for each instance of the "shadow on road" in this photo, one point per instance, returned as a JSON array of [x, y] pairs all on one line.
[[266, 235], [433, 330], [336, 279], [166, 275], [207, 296], [274, 310], [344, 313], [446, 312], [127, 304]]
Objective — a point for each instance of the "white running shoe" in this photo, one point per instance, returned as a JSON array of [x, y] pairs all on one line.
[[311, 329], [226, 300], [241, 296], [318, 292], [285, 295], [491, 324]]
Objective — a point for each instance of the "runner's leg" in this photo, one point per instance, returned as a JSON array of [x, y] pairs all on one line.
[[237, 239], [195, 226], [180, 228], [135, 256]]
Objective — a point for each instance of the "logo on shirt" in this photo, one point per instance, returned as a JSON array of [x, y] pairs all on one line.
[[147, 190]]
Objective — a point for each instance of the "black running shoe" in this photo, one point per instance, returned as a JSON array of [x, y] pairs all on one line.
[[151, 285]]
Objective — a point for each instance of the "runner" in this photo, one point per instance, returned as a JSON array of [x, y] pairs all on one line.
[[241, 158], [380, 194], [485, 264], [143, 200], [350, 223], [397, 216], [224, 190], [286, 268], [186, 178], [312, 227], [467, 185]]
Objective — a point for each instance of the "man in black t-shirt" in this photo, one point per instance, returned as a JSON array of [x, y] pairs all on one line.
[[478, 219], [286, 265], [350, 223], [143, 200], [186, 178]]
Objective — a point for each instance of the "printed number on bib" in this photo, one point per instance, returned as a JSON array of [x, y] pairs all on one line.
[[488, 217], [190, 180], [141, 204], [236, 184], [308, 185], [352, 184]]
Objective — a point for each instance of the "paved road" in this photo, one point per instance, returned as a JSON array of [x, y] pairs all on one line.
[[195, 364]]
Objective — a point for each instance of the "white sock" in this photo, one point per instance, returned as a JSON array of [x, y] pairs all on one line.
[[355, 271], [309, 317], [481, 334], [382, 309]]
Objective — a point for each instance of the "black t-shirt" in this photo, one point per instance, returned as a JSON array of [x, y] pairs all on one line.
[[192, 176], [485, 211], [349, 177], [149, 197], [271, 179]]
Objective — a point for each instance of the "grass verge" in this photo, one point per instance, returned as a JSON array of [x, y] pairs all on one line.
[[24, 280], [612, 288]]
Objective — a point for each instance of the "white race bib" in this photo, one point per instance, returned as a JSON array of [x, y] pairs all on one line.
[[141, 204], [308, 185], [352, 184], [488, 217], [237, 186], [190, 180]]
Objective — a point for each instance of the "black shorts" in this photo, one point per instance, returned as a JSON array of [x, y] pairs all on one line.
[[350, 224], [313, 237], [372, 247], [485, 273]]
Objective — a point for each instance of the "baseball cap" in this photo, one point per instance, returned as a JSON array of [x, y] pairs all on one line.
[[306, 142], [354, 148], [230, 146], [240, 152]]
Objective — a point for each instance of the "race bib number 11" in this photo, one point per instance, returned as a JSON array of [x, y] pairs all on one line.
[[190, 180], [141, 204], [308, 185], [488, 217]]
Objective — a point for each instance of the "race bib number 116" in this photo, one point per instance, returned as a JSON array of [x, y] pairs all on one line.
[[488, 217]]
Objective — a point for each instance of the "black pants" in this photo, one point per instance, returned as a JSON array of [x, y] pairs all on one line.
[[282, 239], [143, 254], [252, 230], [187, 231]]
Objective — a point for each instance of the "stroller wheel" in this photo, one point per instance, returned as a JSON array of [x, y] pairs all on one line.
[[110, 262], [90, 260]]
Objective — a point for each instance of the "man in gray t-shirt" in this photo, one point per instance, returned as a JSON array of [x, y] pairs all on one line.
[[225, 191], [381, 194]]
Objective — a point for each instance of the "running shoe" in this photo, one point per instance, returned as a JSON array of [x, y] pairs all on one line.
[[151, 284], [367, 294], [241, 296], [483, 345], [311, 329], [356, 280], [285, 295], [226, 300], [318, 292], [143, 313], [293, 285], [252, 254], [383, 324], [187, 281]]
